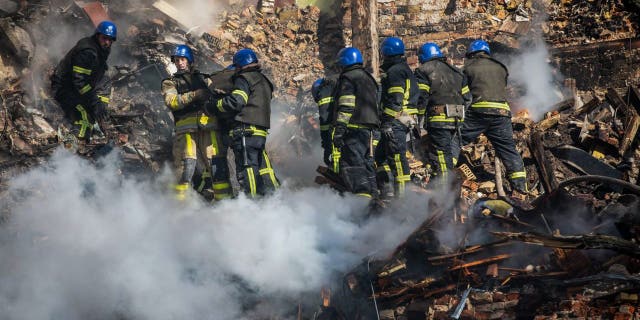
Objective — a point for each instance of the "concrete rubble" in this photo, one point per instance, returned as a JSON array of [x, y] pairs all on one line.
[[516, 258]]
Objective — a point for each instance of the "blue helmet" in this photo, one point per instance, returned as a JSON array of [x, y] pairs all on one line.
[[349, 56], [315, 88], [429, 51], [183, 51], [478, 45], [392, 46], [244, 57], [107, 28]]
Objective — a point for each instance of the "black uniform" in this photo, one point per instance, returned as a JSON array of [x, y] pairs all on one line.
[[400, 95], [250, 104], [490, 113], [356, 126], [441, 84], [324, 99], [78, 85]]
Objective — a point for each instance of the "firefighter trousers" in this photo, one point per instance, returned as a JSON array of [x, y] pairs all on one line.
[[255, 173], [392, 154], [439, 153], [356, 162]]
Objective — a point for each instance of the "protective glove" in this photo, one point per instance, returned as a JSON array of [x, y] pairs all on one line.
[[326, 157], [389, 138], [201, 95], [338, 136], [100, 112]]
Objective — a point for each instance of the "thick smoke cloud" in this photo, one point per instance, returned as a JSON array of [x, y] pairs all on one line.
[[84, 242]]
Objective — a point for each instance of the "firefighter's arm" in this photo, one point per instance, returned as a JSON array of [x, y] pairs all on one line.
[[346, 103], [175, 101], [394, 94], [466, 93], [83, 67], [238, 98], [424, 84]]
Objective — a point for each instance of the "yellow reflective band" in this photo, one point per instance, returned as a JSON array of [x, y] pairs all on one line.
[[356, 126], [366, 195], [395, 90], [104, 99], [386, 167], [375, 142], [442, 118], [349, 100], [424, 87], [269, 169], [174, 104], [181, 187], [335, 153], [214, 144], [257, 132], [219, 105], [83, 122], [405, 99], [85, 89], [241, 93], [252, 181], [410, 110], [187, 121], [221, 185], [489, 104], [325, 101], [390, 112], [82, 70], [422, 112], [343, 117], [518, 174], [189, 146], [400, 177], [325, 127], [465, 89], [442, 162]]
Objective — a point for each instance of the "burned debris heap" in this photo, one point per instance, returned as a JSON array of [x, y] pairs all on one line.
[[568, 250]]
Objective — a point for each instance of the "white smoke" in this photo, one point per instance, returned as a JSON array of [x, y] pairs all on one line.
[[532, 71], [83, 241]]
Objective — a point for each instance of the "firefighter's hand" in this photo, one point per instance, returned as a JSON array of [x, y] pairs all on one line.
[[100, 112], [201, 95], [338, 136]]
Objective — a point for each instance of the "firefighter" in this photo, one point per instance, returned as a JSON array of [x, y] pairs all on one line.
[[322, 92], [444, 95], [400, 95], [489, 112], [197, 140], [248, 107], [77, 82], [356, 123]]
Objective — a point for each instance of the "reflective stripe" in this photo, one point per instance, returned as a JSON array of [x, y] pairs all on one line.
[[85, 89], [465, 89], [335, 154], [257, 132], [518, 174], [104, 99], [241, 93], [349, 100], [181, 187], [189, 146], [219, 105], [269, 170], [489, 104], [357, 126], [214, 143], [344, 117], [325, 127], [174, 103], [390, 112], [442, 162], [443, 118], [181, 191], [324, 101], [400, 177], [366, 195], [187, 123], [252, 181], [410, 111], [222, 196], [407, 92], [221, 185], [83, 122], [422, 112], [78, 69], [395, 90], [425, 87], [375, 142]]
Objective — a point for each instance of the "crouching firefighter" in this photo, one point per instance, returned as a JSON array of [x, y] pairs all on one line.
[[197, 140], [444, 95], [249, 104], [356, 124], [76, 81], [322, 91]]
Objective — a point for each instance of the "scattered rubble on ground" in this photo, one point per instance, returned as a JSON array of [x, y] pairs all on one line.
[[572, 252]]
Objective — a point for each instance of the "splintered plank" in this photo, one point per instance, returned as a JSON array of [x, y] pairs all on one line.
[[631, 119], [469, 250], [499, 257]]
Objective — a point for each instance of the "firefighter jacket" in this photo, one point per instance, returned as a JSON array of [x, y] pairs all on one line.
[[186, 94], [399, 88], [250, 100], [441, 84], [487, 80], [356, 99], [79, 73]]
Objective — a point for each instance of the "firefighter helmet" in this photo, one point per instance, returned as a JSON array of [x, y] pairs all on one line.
[[392, 46], [244, 57], [183, 51], [478, 45], [108, 29], [429, 51], [349, 56]]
